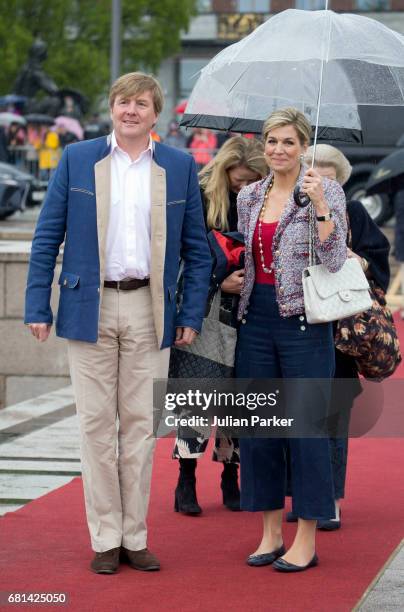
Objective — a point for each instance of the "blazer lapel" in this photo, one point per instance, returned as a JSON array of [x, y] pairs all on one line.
[[102, 171], [158, 246]]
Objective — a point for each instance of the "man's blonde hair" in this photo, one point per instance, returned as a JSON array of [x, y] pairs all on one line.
[[134, 84], [289, 116]]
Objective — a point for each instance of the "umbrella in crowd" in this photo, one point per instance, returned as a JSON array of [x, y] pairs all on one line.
[[12, 99], [323, 63], [70, 125], [8, 118], [40, 119], [388, 175]]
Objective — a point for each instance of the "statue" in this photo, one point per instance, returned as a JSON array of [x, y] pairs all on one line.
[[32, 80]]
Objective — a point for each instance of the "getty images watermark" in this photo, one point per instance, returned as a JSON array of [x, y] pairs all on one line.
[[270, 408], [213, 402]]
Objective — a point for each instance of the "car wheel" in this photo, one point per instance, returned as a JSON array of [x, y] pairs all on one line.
[[378, 205]]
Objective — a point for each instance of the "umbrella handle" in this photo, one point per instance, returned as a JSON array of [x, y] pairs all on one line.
[[300, 199]]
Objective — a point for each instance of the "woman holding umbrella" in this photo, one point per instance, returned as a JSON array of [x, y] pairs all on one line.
[[275, 340]]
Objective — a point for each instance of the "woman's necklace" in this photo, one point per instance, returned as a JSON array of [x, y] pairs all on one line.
[[260, 222]]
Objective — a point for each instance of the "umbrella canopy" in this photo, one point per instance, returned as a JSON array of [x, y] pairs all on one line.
[[12, 99], [284, 62], [8, 118], [71, 125], [388, 175], [40, 119]]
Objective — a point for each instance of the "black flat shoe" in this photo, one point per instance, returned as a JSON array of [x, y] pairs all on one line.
[[330, 525], [283, 566], [265, 558]]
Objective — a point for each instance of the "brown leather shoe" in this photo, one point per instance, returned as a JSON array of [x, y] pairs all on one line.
[[140, 559], [106, 562]]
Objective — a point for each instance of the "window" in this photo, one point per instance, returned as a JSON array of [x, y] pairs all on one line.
[[189, 69], [254, 6], [311, 5], [372, 5], [204, 6]]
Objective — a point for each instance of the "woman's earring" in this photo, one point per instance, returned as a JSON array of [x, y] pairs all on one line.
[[301, 157]]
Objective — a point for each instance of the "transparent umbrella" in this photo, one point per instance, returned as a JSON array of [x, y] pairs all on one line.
[[323, 63]]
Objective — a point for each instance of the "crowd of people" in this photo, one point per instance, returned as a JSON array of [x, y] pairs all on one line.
[[129, 210]]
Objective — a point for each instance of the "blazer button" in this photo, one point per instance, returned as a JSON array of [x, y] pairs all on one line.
[[303, 327], [281, 289], [301, 318], [277, 252], [244, 321], [65, 282]]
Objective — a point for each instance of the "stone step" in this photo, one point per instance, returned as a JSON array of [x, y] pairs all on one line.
[[36, 408], [59, 440], [56, 468], [4, 508], [21, 488]]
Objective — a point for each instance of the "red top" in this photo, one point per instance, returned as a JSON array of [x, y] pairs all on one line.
[[267, 235]]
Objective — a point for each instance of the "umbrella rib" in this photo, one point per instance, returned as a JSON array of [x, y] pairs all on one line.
[[238, 79]]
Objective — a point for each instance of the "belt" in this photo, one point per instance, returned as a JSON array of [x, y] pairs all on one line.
[[127, 285]]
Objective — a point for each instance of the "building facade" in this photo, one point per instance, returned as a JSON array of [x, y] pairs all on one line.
[[223, 22]]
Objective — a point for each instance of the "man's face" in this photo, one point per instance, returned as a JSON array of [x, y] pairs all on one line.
[[133, 117]]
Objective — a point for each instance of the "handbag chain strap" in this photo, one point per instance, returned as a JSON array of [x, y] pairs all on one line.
[[312, 252], [214, 311]]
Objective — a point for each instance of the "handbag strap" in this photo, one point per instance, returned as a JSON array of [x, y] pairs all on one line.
[[312, 252], [214, 311]]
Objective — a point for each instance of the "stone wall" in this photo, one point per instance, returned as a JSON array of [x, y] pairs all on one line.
[[27, 367]]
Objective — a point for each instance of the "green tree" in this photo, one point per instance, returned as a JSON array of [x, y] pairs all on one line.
[[77, 33]]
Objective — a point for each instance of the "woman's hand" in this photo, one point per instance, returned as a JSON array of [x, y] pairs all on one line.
[[234, 282], [363, 262], [313, 186]]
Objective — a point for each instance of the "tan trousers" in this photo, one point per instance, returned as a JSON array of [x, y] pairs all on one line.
[[113, 385]]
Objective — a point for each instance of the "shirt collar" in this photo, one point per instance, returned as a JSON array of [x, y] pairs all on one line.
[[116, 147]]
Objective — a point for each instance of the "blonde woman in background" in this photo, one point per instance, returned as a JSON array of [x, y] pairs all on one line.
[[239, 162]]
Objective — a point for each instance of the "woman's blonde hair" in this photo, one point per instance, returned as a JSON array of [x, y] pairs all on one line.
[[327, 155], [214, 180], [288, 116]]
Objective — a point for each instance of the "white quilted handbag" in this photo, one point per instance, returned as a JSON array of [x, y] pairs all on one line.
[[330, 296]]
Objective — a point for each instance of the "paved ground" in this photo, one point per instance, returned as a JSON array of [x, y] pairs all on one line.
[[39, 452]]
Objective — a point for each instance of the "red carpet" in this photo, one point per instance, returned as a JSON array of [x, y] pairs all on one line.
[[44, 547]]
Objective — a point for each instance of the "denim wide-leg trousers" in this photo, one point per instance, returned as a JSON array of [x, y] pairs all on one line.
[[270, 346]]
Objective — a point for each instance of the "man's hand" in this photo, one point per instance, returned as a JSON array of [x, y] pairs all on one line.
[[234, 282], [41, 331], [185, 336]]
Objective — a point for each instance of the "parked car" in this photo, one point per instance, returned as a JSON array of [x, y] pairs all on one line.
[[382, 128], [16, 188]]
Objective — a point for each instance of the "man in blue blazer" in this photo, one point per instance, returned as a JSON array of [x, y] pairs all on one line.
[[127, 210]]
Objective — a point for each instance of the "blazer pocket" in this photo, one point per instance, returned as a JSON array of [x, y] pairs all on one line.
[[66, 279], [174, 202], [81, 190]]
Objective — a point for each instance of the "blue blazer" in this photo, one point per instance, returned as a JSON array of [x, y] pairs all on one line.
[[76, 211]]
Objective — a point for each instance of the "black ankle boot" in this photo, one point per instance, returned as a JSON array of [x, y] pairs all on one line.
[[185, 493], [229, 486]]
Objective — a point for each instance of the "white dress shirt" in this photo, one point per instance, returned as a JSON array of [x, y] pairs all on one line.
[[129, 234]]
